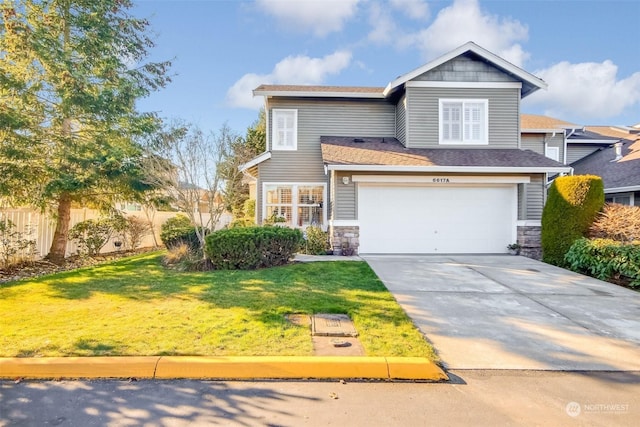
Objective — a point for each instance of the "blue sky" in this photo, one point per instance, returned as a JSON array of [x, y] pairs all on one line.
[[587, 51]]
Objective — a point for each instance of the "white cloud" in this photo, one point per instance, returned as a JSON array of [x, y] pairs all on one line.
[[291, 70], [383, 27], [464, 21], [588, 90], [320, 17], [414, 9]]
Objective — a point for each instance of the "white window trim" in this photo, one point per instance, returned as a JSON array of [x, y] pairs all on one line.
[[631, 197], [274, 129], [548, 150], [483, 141], [294, 200]]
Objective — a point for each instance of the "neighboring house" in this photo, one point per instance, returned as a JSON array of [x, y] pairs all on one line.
[[563, 141], [618, 164], [433, 163], [611, 152]]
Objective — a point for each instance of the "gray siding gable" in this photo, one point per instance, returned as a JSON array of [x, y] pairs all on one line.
[[465, 68]]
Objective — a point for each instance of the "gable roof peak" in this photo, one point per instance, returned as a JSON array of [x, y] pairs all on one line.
[[530, 82]]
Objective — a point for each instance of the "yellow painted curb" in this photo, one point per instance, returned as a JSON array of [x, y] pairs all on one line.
[[263, 367], [272, 367], [415, 368], [78, 367]]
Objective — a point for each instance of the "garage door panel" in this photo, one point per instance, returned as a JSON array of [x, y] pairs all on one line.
[[425, 219]]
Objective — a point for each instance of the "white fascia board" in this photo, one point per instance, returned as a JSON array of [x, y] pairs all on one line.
[[449, 179], [541, 130], [256, 160], [453, 169], [314, 94], [593, 141], [468, 47], [622, 189], [466, 85]]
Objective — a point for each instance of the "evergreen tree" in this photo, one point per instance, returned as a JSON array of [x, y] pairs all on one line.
[[71, 72]]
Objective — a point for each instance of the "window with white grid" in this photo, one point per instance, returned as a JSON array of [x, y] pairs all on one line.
[[464, 121], [285, 129], [296, 205]]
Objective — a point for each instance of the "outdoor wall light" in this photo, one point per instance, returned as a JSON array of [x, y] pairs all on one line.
[[345, 180]]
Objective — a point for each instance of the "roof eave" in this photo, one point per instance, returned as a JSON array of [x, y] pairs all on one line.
[[318, 94], [450, 169], [541, 130], [631, 188], [255, 161]]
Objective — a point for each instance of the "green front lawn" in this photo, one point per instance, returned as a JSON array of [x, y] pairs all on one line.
[[136, 307]]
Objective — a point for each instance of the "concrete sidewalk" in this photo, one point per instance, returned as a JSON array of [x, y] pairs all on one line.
[[512, 312]]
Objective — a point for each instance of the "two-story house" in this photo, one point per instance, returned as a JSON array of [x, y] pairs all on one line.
[[431, 163]]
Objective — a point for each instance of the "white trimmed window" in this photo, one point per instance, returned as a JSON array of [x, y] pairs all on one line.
[[464, 121], [285, 130], [553, 153], [295, 205], [622, 199]]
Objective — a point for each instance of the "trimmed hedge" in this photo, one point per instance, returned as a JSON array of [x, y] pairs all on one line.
[[605, 259], [179, 230], [249, 248], [572, 204]]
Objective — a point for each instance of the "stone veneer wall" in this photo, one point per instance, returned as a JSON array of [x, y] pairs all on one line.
[[529, 237], [340, 235]]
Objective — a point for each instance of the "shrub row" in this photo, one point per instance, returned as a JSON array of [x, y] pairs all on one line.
[[248, 248], [572, 205], [605, 259]]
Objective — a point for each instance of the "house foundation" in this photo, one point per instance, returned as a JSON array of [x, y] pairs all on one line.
[[530, 238], [344, 237]]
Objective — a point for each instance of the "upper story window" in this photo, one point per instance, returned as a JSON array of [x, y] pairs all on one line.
[[552, 153], [285, 130], [464, 121]]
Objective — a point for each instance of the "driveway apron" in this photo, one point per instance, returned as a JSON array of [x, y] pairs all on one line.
[[512, 312]]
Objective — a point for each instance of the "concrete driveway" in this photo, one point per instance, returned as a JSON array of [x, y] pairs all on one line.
[[512, 312]]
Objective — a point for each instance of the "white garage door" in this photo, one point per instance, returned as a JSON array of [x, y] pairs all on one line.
[[429, 219]]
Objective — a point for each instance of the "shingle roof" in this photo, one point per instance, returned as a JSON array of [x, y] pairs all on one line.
[[319, 89], [578, 134], [338, 150], [621, 173], [534, 121]]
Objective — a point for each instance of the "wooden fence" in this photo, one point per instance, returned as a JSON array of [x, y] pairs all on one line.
[[41, 227]]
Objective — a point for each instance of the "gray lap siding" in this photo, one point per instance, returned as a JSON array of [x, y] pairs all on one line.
[[536, 142], [423, 114], [316, 118]]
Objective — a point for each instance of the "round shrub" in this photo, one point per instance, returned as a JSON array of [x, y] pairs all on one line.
[[572, 204], [177, 231], [248, 248]]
